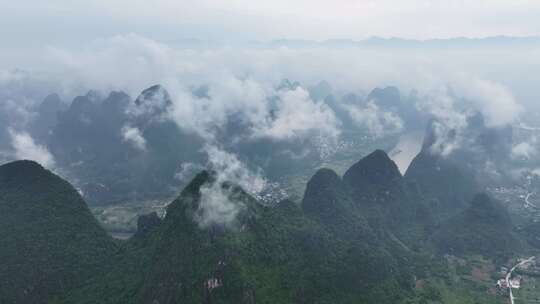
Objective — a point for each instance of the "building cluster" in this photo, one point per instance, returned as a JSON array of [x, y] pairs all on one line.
[[213, 283], [514, 283]]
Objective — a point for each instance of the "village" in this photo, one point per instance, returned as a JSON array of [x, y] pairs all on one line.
[[515, 277], [512, 283]]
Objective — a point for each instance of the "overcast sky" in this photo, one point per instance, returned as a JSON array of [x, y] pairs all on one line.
[[72, 46], [30, 29], [30, 22]]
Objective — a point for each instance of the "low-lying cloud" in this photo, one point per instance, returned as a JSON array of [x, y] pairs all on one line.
[[209, 87], [295, 115], [134, 137], [378, 122], [25, 148], [242, 79], [216, 206]]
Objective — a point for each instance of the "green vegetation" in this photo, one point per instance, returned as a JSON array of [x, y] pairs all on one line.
[[279, 255], [529, 292], [484, 228], [50, 242], [366, 238], [443, 182]]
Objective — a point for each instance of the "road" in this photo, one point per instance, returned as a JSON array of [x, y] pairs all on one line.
[[527, 202], [509, 274], [528, 128]]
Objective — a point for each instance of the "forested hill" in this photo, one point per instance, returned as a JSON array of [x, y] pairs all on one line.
[[365, 238], [50, 242]]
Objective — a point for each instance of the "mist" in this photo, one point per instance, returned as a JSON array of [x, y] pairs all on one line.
[[278, 93]]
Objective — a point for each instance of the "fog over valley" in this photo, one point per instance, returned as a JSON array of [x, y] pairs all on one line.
[[265, 93]]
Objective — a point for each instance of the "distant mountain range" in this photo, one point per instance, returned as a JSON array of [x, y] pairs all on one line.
[[117, 148], [392, 42], [104, 143]]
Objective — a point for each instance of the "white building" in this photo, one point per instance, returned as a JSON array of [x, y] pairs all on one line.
[[515, 283]]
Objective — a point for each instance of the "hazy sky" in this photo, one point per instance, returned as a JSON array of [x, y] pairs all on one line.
[[25, 22], [79, 45], [72, 46]]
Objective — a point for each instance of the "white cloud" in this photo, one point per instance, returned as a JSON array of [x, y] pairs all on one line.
[[230, 168], [493, 99], [216, 205], [445, 143], [134, 137], [216, 208], [526, 149], [242, 80], [453, 100], [523, 150], [103, 64], [295, 115], [450, 122], [378, 122], [14, 113], [228, 95], [187, 171], [234, 85], [25, 148]]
